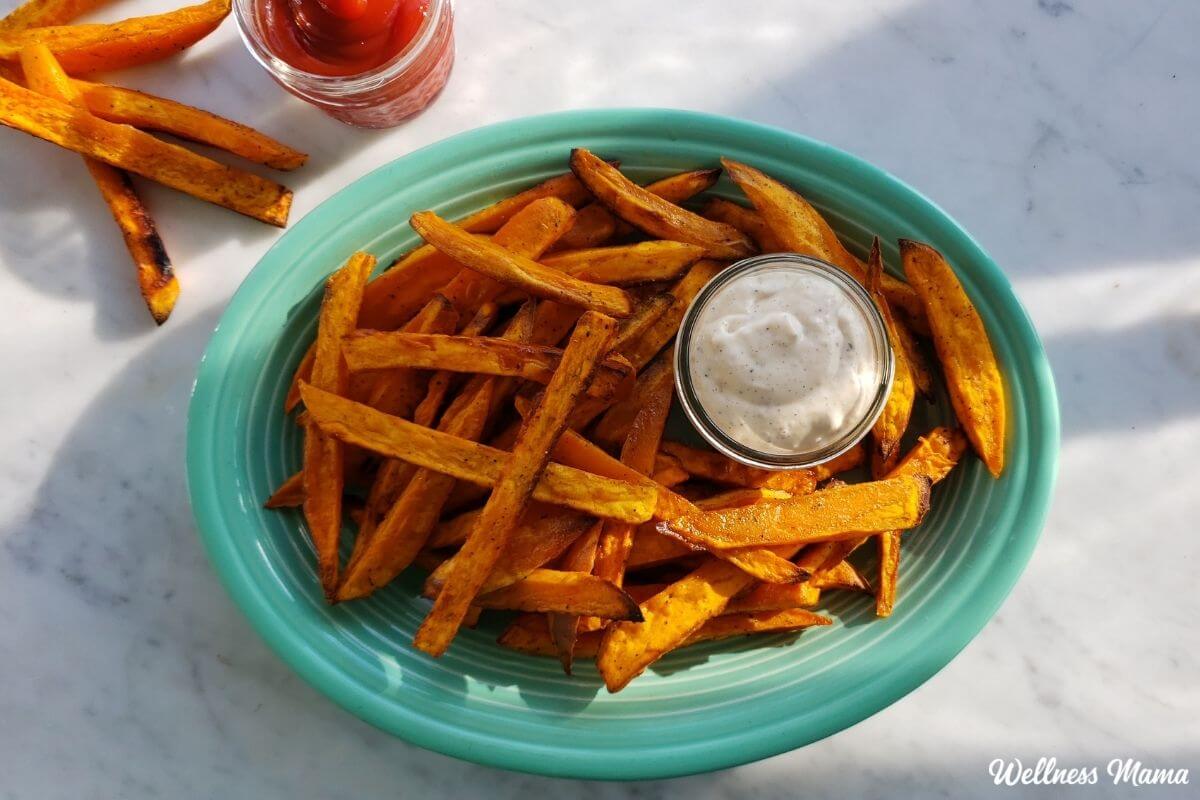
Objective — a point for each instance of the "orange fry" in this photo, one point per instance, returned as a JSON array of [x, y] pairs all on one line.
[[132, 150], [962, 344], [654, 215], [324, 455], [515, 270], [116, 45], [155, 277], [516, 483]]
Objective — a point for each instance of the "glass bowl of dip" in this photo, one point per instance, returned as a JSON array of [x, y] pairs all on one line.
[[783, 362]]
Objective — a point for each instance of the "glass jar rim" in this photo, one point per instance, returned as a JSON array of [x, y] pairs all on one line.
[[361, 82], [727, 445]]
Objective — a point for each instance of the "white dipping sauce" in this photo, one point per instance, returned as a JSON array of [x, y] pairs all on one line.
[[782, 361]]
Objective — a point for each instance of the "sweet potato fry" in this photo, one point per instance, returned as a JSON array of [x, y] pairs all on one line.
[[837, 513], [961, 341], [518, 271], [641, 350], [43, 13], [408, 522], [564, 628], [426, 412], [841, 575], [399, 391], [847, 461], [110, 46], [654, 215], [290, 493], [893, 421], [593, 226], [366, 350], [637, 453], [527, 633], [515, 485], [151, 113], [544, 533], [934, 455], [738, 498], [668, 471], [650, 549], [746, 220], [763, 563], [551, 590], [774, 597], [670, 618], [917, 364], [625, 265], [889, 572], [323, 455], [713, 466], [565, 187], [799, 228], [613, 427], [132, 150], [155, 277]]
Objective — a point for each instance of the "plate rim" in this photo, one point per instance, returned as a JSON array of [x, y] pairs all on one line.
[[433, 734]]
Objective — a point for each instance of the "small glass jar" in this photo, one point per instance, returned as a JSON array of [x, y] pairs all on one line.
[[380, 97], [853, 431]]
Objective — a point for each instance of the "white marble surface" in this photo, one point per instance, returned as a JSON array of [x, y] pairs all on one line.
[[1062, 133]]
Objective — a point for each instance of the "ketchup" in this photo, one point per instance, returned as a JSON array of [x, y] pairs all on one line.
[[340, 37]]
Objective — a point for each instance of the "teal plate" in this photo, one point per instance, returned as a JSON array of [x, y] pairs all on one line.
[[702, 708]]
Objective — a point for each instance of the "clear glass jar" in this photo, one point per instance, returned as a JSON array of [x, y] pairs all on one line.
[[853, 431], [378, 98]]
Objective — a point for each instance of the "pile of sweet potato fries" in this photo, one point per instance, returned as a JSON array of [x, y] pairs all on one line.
[[40, 51], [543, 326]]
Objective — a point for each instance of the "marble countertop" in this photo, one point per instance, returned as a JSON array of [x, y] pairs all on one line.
[[1060, 132]]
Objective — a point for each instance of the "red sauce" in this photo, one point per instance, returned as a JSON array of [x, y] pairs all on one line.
[[340, 37]]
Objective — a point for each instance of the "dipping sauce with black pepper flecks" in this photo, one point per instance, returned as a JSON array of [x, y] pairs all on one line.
[[783, 361]]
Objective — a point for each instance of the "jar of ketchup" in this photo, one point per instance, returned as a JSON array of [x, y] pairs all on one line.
[[370, 63]]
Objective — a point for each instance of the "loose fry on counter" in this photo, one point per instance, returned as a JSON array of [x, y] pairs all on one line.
[[654, 215], [132, 150], [117, 45], [323, 455], [893, 421], [961, 341], [836, 513], [151, 113], [155, 277], [522, 273], [799, 228], [366, 350], [626, 265], [44, 13], [516, 482]]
